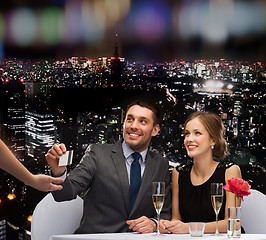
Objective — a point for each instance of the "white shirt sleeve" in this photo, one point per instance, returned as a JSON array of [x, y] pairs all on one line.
[[62, 176]]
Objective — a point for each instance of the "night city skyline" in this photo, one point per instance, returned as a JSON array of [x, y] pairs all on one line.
[[69, 68], [81, 100]]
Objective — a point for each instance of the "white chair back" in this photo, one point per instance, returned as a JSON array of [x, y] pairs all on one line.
[[55, 218], [253, 213]]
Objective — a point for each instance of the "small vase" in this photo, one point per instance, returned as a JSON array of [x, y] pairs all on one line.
[[234, 222]]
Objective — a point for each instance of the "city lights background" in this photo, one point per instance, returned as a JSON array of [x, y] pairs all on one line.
[[55, 42]]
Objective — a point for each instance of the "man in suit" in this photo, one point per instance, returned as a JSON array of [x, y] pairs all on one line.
[[105, 171]]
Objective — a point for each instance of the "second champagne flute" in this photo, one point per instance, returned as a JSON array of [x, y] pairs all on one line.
[[217, 200], [158, 194]]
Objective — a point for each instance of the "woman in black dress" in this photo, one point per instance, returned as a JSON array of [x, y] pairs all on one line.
[[191, 199]]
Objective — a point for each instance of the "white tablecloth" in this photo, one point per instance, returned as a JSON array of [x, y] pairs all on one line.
[[152, 236]]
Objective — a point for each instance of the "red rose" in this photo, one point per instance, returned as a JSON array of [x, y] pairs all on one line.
[[238, 186]]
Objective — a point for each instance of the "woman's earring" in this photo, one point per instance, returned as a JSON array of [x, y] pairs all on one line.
[[212, 147]]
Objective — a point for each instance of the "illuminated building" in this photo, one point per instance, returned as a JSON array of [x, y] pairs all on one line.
[[38, 95], [40, 134], [13, 116]]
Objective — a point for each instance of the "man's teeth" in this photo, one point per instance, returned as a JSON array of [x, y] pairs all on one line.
[[132, 134]]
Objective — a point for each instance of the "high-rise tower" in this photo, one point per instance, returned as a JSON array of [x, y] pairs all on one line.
[[40, 134], [12, 118], [117, 64]]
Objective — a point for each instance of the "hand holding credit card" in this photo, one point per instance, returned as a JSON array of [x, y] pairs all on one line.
[[66, 159]]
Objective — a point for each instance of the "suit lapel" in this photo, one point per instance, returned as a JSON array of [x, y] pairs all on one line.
[[120, 166], [146, 181]]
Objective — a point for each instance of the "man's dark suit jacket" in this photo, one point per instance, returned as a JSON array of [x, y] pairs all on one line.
[[102, 171]]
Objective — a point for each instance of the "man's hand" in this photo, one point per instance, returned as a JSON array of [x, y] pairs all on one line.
[[52, 158], [142, 225]]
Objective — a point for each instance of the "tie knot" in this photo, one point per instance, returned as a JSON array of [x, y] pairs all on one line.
[[136, 155]]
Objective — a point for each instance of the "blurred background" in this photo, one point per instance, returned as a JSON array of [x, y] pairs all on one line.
[[68, 68], [160, 30]]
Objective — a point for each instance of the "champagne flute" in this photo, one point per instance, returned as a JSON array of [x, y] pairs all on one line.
[[158, 194], [217, 194]]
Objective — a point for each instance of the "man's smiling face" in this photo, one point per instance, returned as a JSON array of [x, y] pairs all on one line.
[[139, 128]]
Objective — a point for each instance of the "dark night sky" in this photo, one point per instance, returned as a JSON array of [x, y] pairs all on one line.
[[147, 30]]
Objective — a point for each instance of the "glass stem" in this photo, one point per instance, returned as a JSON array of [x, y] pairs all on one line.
[[158, 219], [216, 232]]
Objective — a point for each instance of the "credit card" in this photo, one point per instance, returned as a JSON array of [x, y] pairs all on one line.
[[66, 159]]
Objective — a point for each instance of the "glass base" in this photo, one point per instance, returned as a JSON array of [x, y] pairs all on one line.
[[217, 234]]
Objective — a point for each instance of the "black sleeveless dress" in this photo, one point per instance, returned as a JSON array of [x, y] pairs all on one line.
[[195, 201]]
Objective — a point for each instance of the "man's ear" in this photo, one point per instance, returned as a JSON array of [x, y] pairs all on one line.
[[155, 130]]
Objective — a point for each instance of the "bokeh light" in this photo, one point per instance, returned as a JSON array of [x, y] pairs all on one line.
[[109, 10], [72, 27], [93, 23], [175, 26], [1, 27], [51, 25], [215, 21], [149, 21], [11, 196], [1, 37], [186, 20], [230, 86], [214, 26], [114, 10], [23, 27], [248, 18], [29, 218]]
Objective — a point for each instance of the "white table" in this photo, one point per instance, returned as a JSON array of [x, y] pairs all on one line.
[[152, 236]]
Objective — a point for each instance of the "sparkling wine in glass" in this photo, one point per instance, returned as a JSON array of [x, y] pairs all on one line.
[[217, 194], [158, 195]]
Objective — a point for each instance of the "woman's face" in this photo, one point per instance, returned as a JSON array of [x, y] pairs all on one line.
[[197, 139]]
